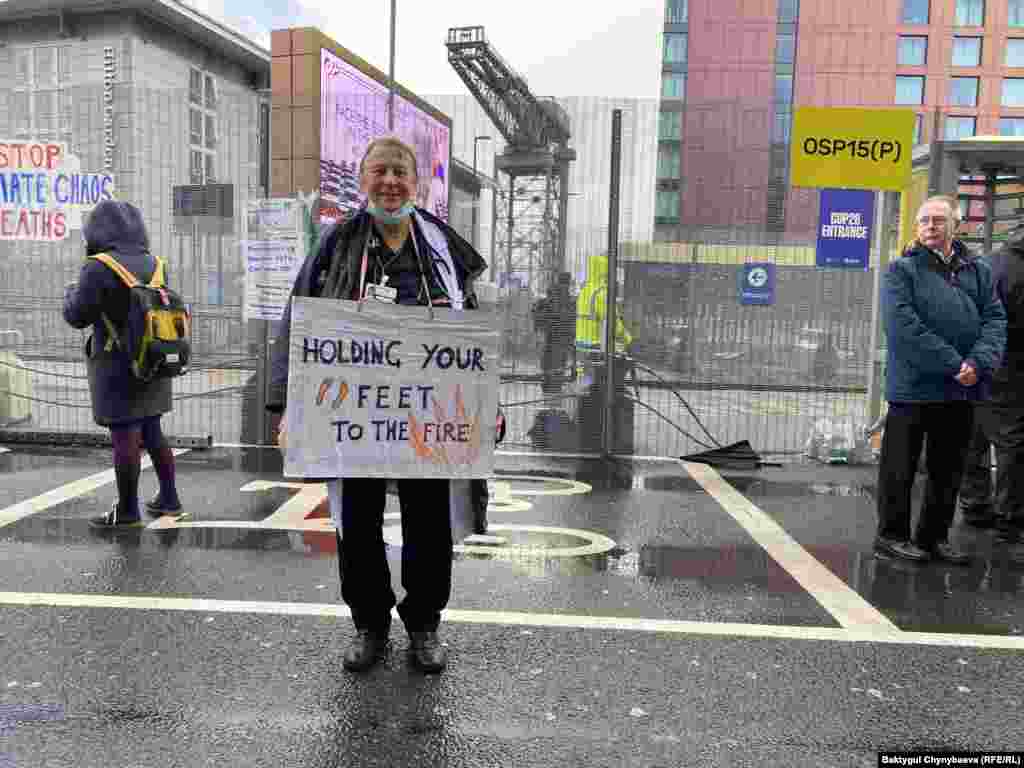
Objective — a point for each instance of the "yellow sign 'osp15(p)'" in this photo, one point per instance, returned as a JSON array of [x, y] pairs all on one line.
[[851, 148]]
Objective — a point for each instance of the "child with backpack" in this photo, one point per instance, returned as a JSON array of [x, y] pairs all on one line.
[[139, 341]]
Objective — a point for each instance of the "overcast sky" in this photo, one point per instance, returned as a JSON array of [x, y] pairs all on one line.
[[562, 47]]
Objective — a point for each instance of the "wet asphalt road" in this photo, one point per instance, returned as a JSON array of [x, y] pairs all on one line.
[[253, 677]]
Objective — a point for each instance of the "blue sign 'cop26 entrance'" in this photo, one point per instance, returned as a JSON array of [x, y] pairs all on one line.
[[844, 228]]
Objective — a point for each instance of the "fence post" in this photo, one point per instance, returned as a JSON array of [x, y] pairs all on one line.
[[888, 203], [611, 312]]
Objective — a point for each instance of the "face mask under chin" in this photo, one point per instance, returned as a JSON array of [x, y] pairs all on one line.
[[382, 216]]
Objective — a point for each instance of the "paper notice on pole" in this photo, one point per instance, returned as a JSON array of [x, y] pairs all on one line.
[[386, 391], [272, 254]]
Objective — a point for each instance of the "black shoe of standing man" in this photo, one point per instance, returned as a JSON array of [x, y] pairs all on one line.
[[945, 552], [365, 649], [904, 550], [426, 652]]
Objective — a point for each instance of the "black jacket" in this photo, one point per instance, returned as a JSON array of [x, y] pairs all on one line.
[[340, 251], [117, 396], [1008, 275]]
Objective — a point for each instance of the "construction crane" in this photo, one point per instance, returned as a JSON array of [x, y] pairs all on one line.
[[533, 209]]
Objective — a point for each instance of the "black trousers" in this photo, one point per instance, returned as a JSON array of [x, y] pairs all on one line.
[[947, 427], [426, 553], [976, 486], [1004, 426]]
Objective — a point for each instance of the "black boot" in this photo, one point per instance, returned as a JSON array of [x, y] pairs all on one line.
[[426, 651], [365, 649]]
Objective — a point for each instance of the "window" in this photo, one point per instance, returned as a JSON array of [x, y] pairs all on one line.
[[787, 12], [913, 51], [783, 89], [195, 86], [210, 175], [1016, 16], [673, 86], [675, 49], [1013, 92], [1015, 52], [959, 128], [668, 161], [966, 51], [915, 11], [195, 128], [22, 111], [780, 128], [1011, 126], [210, 132], [211, 93], [785, 48], [918, 128], [196, 167], [970, 13], [963, 91], [670, 125], [675, 12], [666, 205], [909, 89]]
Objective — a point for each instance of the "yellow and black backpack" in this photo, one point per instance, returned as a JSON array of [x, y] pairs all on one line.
[[158, 329]]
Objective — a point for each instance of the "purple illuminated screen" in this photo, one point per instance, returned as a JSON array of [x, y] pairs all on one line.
[[354, 111]]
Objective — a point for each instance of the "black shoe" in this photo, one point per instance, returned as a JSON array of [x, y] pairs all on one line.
[[365, 649], [945, 552], [114, 520], [426, 652], [156, 506], [904, 550]]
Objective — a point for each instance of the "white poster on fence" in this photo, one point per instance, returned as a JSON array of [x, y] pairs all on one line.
[[272, 254], [388, 392]]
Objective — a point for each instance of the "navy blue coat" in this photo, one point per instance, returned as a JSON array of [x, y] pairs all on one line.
[[1008, 274], [118, 397], [936, 317]]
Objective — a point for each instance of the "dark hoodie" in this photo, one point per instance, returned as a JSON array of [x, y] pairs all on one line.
[[117, 396], [1008, 275]]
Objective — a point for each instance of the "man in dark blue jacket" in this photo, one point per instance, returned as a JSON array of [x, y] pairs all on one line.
[[1002, 416], [946, 331]]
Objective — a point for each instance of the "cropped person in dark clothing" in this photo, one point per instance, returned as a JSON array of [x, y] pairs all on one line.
[[425, 261], [129, 407], [1002, 415], [946, 331]]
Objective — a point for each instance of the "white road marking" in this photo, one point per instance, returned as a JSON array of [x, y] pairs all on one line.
[[844, 603], [516, 619], [66, 492], [4, 450]]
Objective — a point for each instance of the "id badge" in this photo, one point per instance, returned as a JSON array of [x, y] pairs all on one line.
[[381, 292]]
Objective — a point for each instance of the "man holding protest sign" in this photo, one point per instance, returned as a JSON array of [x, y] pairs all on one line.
[[390, 252]]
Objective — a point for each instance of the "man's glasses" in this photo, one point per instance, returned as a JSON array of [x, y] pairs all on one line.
[[939, 221]]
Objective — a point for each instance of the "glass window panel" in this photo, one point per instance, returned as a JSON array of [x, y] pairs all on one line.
[[668, 161], [675, 12], [210, 175], [785, 48], [46, 66], [65, 108], [913, 51], [1013, 92], [20, 106], [196, 167], [1015, 52], [195, 86], [918, 128], [64, 63], [959, 128], [909, 89], [915, 11], [1016, 16], [211, 132], [780, 128], [963, 91], [667, 204], [966, 51], [195, 132], [211, 93], [787, 11], [1011, 126], [23, 68], [783, 89], [670, 125], [970, 13], [675, 49], [673, 85]]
